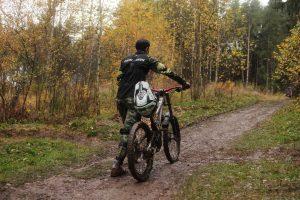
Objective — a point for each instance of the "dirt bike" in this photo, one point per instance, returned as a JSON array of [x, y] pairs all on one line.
[[144, 142]]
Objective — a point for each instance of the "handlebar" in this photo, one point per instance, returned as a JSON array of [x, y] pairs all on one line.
[[168, 90]]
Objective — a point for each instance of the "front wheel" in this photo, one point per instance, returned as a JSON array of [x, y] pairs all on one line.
[[140, 159], [171, 141]]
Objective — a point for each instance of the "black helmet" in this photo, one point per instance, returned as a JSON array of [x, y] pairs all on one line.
[[142, 44]]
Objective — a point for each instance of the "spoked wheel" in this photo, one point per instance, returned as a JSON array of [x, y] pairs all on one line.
[[172, 141], [140, 159]]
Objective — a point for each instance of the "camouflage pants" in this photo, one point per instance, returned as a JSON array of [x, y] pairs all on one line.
[[129, 117]]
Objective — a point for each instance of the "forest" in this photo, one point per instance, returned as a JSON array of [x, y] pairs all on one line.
[[60, 58], [235, 134]]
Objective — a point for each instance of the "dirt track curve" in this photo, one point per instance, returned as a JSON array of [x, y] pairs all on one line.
[[201, 143]]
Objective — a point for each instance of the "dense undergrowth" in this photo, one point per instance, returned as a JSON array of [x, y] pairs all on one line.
[[218, 98], [276, 175]]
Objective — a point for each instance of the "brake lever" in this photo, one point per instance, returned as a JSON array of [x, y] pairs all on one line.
[[179, 89]]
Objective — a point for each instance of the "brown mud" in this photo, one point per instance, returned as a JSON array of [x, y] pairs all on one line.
[[202, 143]]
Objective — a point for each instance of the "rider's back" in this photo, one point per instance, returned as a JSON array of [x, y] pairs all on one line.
[[134, 68]]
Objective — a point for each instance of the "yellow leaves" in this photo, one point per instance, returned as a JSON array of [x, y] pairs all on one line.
[[85, 90], [137, 19], [288, 59], [228, 85]]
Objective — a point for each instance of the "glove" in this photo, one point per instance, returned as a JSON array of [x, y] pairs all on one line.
[[186, 86]]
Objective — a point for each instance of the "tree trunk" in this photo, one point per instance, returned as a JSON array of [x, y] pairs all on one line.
[[248, 54], [210, 69], [218, 58], [3, 107], [173, 46], [26, 95], [267, 78], [218, 44], [197, 52], [256, 74], [200, 60], [99, 57]]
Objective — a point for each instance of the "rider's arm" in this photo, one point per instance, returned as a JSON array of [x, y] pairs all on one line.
[[162, 69], [119, 76], [120, 72]]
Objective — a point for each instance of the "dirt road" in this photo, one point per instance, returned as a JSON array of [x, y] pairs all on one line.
[[201, 143]]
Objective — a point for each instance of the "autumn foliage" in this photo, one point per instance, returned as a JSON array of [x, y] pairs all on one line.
[[59, 59], [287, 73]]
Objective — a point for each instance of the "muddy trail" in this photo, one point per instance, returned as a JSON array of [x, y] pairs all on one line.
[[202, 143]]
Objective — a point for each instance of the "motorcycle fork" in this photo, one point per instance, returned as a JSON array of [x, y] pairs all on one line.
[[168, 103], [156, 142]]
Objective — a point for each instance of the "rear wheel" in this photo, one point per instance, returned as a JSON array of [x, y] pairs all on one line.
[[140, 159], [172, 141]]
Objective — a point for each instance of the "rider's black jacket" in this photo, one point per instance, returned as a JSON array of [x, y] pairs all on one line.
[[134, 68]]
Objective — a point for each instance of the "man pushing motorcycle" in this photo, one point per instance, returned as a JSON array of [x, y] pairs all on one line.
[[133, 69]]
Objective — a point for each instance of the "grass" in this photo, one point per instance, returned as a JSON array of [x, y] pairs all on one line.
[[189, 112], [103, 128], [106, 126], [282, 130], [26, 159], [275, 177], [246, 180], [30, 126]]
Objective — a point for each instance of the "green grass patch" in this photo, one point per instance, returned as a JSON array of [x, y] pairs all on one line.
[[102, 128], [279, 179], [26, 159], [282, 130], [30, 126], [276, 178], [192, 111]]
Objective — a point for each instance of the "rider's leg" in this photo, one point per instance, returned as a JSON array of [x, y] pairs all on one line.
[[129, 117], [117, 170], [122, 109]]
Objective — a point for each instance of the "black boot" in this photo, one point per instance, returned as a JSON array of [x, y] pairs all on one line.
[[117, 169]]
